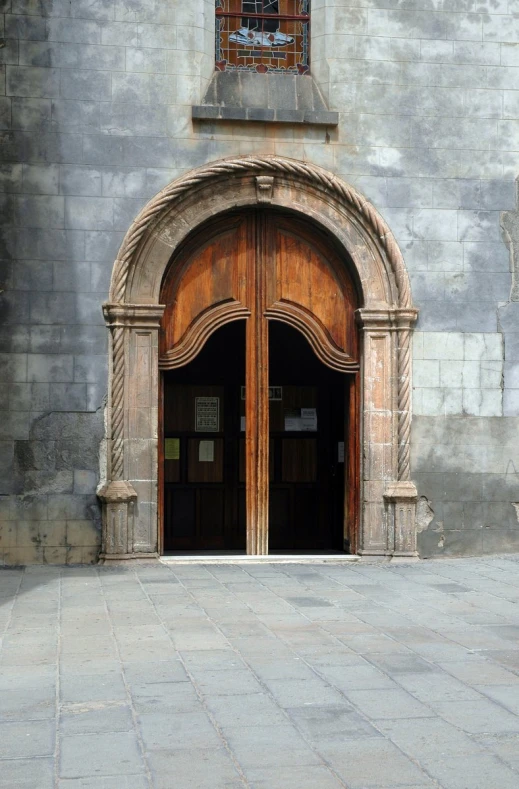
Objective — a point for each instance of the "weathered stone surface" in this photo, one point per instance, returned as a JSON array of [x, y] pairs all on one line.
[[98, 113]]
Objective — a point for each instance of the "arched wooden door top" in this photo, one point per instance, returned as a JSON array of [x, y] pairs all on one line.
[[213, 280]]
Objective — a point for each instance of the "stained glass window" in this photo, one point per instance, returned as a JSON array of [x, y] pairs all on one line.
[[263, 35]]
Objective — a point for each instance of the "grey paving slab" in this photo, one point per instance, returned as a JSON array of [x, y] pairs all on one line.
[[365, 677], [293, 777], [255, 746], [167, 731], [164, 697], [95, 717], [106, 753], [373, 762], [28, 773], [23, 739], [203, 768], [77, 687]]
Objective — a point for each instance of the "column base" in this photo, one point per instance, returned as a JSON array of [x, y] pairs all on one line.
[[401, 501], [118, 497]]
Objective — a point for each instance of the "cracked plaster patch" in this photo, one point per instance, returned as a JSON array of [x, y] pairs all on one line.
[[510, 225], [424, 514]]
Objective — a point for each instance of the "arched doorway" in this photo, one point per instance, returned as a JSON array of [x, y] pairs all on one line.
[[269, 466], [368, 257]]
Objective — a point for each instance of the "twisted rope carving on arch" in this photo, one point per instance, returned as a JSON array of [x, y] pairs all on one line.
[[252, 165], [404, 403]]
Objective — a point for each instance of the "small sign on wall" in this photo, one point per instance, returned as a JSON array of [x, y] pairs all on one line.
[[309, 419], [300, 420], [207, 414], [206, 452], [172, 449], [340, 452]]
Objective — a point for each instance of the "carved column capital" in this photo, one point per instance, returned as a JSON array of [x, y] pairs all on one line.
[[386, 319], [146, 316]]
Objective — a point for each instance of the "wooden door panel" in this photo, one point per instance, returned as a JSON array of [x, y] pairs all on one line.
[[309, 288], [204, 470], [305, 278], [280, 521], [299, 460], [182, 506], [180, 407], [212, 275], [211, 514], [261, 266], [311, 532]]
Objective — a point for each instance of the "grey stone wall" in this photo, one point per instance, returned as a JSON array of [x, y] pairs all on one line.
[[95, 116]]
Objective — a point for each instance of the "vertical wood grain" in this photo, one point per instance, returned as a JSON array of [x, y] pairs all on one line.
[[256, 392]]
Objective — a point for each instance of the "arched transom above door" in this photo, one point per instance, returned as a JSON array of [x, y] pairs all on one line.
[[363, 243], [227, 265]]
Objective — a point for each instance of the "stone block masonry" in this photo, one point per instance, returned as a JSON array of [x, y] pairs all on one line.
[[96, 117]]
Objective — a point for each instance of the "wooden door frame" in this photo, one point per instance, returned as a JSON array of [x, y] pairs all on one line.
[[130, 490]]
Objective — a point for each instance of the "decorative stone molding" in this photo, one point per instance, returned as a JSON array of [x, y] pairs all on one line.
[[300, 172], [387, 378], [401, 499], [131, 386], [118, 499], [387, 495], [264, 188]]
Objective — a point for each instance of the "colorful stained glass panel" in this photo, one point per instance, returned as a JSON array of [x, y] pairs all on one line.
[[263, 35]]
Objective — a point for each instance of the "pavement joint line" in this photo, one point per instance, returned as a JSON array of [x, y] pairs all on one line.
[[352, 704], [198, 692], [272, 698], [384, 593], [129, 697], [57, 742], [362, 714]]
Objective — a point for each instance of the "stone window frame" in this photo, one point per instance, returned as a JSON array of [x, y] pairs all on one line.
[[130, 491]]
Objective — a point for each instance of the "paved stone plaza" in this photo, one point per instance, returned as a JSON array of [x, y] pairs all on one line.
[[268, 676]]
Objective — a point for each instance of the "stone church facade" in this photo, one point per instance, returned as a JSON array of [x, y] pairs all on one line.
[[134, 132]]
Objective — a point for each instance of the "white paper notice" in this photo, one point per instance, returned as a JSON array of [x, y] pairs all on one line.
[[309, 419], [293, 420], [340, 452], [206, 452], [207, 414], [242, 424]]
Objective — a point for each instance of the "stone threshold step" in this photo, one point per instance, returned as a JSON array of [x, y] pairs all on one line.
[[214, 558]]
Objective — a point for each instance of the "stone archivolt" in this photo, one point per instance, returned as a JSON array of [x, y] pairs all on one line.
[[388, 497]]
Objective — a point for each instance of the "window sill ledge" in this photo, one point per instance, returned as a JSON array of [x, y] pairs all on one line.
[[214, 112]]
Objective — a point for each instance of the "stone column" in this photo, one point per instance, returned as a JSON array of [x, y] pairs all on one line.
[[401, 496], [386, 419], [129, 494]]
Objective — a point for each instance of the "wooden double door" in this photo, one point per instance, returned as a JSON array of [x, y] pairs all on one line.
[[259, 349]]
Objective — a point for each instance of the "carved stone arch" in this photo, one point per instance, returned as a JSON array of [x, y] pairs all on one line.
[[133, 315]]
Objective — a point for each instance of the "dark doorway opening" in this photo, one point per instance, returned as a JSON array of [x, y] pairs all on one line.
[[308, 406], [204, 447], [201, 508]]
